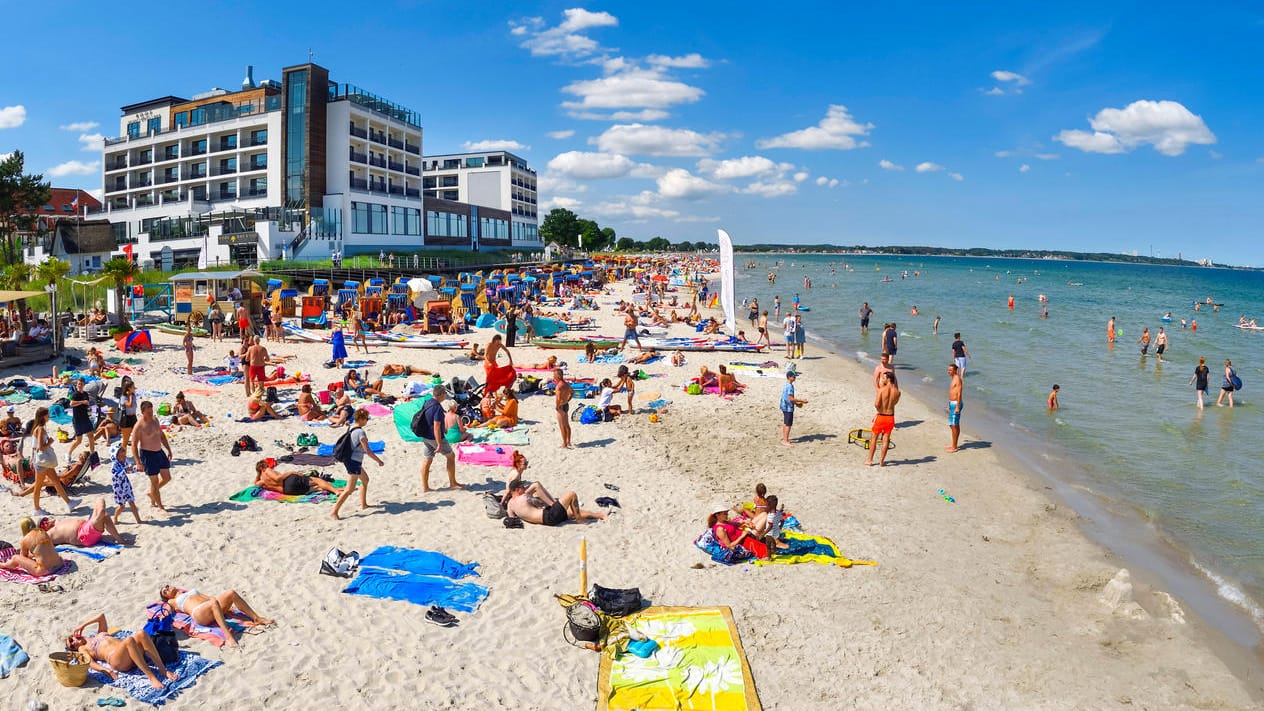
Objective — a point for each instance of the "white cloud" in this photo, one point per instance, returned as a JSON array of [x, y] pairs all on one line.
[[74, 167], [680, 183], [888, 165], [1047, 156], [743, 167], [688, 61], [559, 135], [78, 126], [595, 166], [564, 40], [1166, 125], [490, 145], [801, 176], [928, 167], [1003, 76], [642, 206], [91, 142], [97, 193], [833, 183], [957, 177], [552, 184], [627, 86], [771, 188], [559, 201], [1024, 168], [822, 180], [1004, 154], [838, 130], [12, 116], [642, 115], [1215, 155], [638, 138], [994, 91]]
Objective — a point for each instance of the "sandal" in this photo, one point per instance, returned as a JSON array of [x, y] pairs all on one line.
[[51, 588], [441, 617]]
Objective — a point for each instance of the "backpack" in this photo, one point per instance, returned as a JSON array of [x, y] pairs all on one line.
[[694, 389], [271, 395], [528, 384], [419, 425], [343, 448], [493, 507]]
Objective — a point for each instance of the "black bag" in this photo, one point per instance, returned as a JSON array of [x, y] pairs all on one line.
[[343, 447], [616, 602], [248, 444], [528, 384], [418, 424], [271, 395], [167, 645]]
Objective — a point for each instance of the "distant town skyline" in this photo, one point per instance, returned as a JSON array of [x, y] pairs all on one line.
[[1095, 127]]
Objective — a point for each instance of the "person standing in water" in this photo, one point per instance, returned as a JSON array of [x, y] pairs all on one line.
[[1053, 397], [1110, 330], [1144, 340], [934, 329], [1160, 343], [959, 354], [1228, 386], [865, 313], [1199, 379]]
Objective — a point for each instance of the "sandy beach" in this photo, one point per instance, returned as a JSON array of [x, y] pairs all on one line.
[[996, 601]]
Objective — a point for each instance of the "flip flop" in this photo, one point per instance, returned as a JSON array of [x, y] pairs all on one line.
[[51, 588], [111, 701], [611, 487]]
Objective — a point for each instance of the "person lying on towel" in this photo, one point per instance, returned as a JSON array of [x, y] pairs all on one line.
[[289, 483], [210, 611], [391, 369], [84, 532], [533, 504], [111, 655]]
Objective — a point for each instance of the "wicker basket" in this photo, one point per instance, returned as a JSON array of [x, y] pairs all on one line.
[[68, 669]]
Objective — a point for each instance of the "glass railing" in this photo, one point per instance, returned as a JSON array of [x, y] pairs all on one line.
[[415, 150], [359, 184], [359, 157], [374, 103], [359, 132], [395, 166], [395, 143], [412, 171], [379, 162], [412, 192], [377, 137]]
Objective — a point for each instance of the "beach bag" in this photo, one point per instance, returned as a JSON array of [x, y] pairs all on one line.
[[339, 564], [528, 384], [614, 601], [590, 416], [491, 504], [167, 645], [343, 448], [1237, 382], [247, 444], [37, 392], [324, 397], [271, 395], [693, 389]]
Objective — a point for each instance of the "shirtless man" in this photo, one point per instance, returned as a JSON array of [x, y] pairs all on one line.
[[955, 405], [544, 509], [1144, 340], [884, 421], [884, 366], [243, 324], [289, 483], [256, 357], [1160, 343], [1110, 330], [563, 392], [152, 451], [629, 329], [397, 369], [84, 531]]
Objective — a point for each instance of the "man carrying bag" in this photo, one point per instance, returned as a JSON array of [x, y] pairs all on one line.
[[428, 424]]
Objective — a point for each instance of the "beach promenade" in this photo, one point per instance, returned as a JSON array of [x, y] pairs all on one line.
[[994, 601]]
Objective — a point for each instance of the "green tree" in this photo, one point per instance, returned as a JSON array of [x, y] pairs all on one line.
[[625, 244], [51, 269], [119, 270], [20, 196], [561, 226], [685, 246], [593, 239], [658, 244]]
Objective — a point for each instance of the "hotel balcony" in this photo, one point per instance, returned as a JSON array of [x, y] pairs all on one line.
[[359, 157]]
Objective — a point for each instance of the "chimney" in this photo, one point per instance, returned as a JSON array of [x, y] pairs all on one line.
[[249, 81]]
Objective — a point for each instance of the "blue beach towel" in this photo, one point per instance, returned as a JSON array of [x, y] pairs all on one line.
[[99, 552], [57, 414], [338, 340], [223, 379], [189, 668], [413, 560], [418, 589], [12, 656], [377, 447], [612, 359]]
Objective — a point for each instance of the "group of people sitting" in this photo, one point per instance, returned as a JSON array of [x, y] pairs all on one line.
[[37, 549], [754, 532], [724, 380]]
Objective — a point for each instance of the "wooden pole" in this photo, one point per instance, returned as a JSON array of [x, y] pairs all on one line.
[[583, 567]]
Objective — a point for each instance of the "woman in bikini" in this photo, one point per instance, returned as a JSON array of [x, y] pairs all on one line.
[[308, 408], [188, 343], [36, 554], [186, 413], [111, 655], [260, 408], [128, 420], [207, 611]]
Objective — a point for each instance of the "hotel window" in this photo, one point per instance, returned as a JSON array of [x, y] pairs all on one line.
[[227, 143], [258, 187], [368, 218], [259, 138], [405, 221], [133, 129], [450, 195], [197, 116], [182, 118], [428, 182], [154, 126], [446, 224], [171, 152], [259, 161]]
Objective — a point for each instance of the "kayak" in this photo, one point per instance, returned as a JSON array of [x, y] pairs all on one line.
[[576, 345], [178, 330]]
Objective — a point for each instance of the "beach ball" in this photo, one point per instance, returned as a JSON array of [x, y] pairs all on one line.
[[653, 417]]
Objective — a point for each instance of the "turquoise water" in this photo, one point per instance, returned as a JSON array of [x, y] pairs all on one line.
[[1128, 431]]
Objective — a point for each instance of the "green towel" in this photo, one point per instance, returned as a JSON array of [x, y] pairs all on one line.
[[257, 493]]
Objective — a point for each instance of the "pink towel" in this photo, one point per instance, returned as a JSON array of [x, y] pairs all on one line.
[[236, 621], [21, 576], [485, 456], [377, 410]]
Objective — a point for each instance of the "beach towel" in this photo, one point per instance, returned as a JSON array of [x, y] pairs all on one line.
[[541, 370], [810, 549], [307, 459], [699, 665], [258, 493], [482, 456], [99, 552], [237, 622], [610, 359], [417, 576], [377, 410], [57, 414], [16, 398], [353, 364], [12, 655], [498, 377], [517, 436], [222, 379], [188, 668], [375, 447], [21, 576]]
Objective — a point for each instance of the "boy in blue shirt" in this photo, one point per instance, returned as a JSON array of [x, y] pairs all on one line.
[[788, 403]]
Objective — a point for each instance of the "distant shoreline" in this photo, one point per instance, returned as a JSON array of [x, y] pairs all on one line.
[[979, 252]]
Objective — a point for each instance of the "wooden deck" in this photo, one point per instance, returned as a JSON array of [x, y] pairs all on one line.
[[26, 356]]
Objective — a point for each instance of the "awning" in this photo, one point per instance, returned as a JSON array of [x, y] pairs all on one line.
[[15, 295]]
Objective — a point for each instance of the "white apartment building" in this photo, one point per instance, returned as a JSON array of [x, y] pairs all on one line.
[[282, 169], [493, 179]]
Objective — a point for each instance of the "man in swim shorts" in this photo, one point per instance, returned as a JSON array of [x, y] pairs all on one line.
[[629, 329], [289, 483], [955, 405], [865, 313], [959, 354], [563, 392], [82, 531], [152, 452], [1160, 343], [533, 504], [884, 421], [256, 357]]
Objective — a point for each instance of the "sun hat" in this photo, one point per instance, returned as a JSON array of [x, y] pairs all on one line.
[[720, 508], [115, 449], [12, 409]]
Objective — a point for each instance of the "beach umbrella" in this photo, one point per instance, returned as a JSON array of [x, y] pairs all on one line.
[[659, 277], [419, 284], [423, 296]]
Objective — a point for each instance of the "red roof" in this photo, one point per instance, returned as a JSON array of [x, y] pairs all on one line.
[[59, 203]]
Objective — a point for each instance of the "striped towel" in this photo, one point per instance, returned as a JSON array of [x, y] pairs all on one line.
[[99, 552]]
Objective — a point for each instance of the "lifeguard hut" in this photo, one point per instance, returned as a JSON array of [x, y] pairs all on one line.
[[195, 292]]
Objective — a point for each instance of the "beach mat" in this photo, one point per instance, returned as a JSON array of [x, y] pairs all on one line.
[[21, 576], [484, 456], [608, 359], [516, 436], [307, 459], [237, 622], [403, 417], [417, 576], [805, 548], [258, 493], [189, 668], [99, 552], [700, 665], [328, 449]]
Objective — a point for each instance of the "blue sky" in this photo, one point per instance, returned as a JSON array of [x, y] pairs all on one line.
[[1086, 126]]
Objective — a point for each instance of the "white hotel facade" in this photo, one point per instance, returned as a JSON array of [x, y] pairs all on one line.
[[293, 169]]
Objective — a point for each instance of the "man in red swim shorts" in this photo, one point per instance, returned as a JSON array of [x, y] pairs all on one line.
[[884, 422], [256, 357]]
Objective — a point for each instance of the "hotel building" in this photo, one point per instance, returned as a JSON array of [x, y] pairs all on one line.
[[288, 169], [495, 179]]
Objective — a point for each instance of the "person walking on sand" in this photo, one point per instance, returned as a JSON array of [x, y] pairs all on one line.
[[152, 451], [243, 325], [884, 419], [355, 465], [563, 392], [865, 313], [188, 343], [629, 329], [80, 403], [358, 337], [955, 405], [787, 405], [1199, 379], [433, 439], [1160, 343], [959, 354], [1227, 387], [256, 357], [800, 335], [890, 341], [884, 366]]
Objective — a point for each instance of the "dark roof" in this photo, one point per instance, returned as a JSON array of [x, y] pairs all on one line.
[[165, 100], [86, 237], [58, 204]]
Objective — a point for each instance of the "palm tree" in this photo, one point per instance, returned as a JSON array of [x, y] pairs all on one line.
[[13, 277], [119, 270], [51, 270]]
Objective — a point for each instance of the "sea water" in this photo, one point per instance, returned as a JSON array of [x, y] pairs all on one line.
[[1128, 434]]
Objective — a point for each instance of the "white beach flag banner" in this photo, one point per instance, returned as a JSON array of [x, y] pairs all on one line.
[[726, 282]]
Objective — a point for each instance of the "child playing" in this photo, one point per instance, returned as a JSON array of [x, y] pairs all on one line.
[[1053, 397], [123, 495], [761, 504], [233, 363], [767, 524]]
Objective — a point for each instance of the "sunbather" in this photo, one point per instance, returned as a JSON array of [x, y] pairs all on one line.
[[398, 369], [533, 504], [343, 410], [645, 357], [186, 413], [504, 409], [308, 408], [82, 531], [261, 409], [207, 611], [67, 475], [110, 655], [548, 364], [36, 554], [289, 483], [728, 384]]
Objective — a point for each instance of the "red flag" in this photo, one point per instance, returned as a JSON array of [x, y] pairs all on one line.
[[127, 251]]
